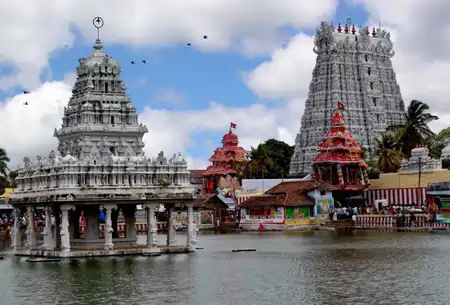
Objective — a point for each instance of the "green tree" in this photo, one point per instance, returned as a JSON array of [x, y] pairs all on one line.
[[270, 160], [415, 131], [281, 153], [435, 146], [443, 134], [372, 166], [4, 159], [259, 161], [389, 158], [12, 175]]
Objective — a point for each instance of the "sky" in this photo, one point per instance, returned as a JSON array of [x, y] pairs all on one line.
[[254, 69]]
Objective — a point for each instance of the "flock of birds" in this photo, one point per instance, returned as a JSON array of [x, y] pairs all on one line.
[[143, 61], [188, 44], [132, 62]]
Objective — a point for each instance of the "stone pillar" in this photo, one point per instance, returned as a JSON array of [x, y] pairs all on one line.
[[31, 230], [92, 230], [16, 236], [171, 234], [114, 220], [191, 240], [108, 230], [151, 224], [49, 241], [129, 213], [64, 231], [57, 227]]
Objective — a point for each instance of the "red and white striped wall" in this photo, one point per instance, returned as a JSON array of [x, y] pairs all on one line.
[[242, 199], [397, 196]]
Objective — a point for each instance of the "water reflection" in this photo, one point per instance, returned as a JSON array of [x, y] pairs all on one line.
[[294, 268]]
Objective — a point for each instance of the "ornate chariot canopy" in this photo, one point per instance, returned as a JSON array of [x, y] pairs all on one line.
[[229, 159], [339, 159]]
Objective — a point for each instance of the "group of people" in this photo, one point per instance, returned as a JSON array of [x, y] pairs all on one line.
[[7, 220], [399, 213]]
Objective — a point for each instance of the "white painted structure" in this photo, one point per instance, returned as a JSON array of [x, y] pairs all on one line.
[[100, 165], [420, 161]]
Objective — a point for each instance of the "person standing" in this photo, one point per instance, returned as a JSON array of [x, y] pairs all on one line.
[[412, 219]]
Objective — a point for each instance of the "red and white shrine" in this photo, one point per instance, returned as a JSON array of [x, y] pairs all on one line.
[[339, 159], [228, 162]]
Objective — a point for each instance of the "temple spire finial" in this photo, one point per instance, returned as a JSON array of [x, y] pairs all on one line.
[[98, 24]]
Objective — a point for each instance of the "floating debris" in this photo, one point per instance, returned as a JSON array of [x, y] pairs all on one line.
[[43, 260], [244, 250]]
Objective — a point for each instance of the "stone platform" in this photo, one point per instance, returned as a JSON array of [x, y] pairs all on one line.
[[103, 253]]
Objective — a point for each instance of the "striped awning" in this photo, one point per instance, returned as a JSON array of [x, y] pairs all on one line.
[[398, 196]]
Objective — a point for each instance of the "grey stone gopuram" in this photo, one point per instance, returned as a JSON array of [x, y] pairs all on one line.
[[353, 67]]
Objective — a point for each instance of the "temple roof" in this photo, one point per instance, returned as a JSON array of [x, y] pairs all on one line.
[[99, 119], [288, 193], [101, 138], [215, 170], [98, 61], [294, 186], [338, 144], [296, 199], [223, 158]]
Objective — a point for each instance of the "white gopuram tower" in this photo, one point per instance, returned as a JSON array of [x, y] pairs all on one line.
[[353, 68], [101, 166]]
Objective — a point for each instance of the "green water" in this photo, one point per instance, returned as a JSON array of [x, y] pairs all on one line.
[[298, 268]]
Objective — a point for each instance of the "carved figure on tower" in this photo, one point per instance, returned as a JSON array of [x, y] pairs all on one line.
[[339, 159], [228, 162]]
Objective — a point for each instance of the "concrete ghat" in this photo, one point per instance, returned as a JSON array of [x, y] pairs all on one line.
[[102, 253]]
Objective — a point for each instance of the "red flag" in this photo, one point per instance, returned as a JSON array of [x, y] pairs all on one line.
[[233, 125], [341, 106]]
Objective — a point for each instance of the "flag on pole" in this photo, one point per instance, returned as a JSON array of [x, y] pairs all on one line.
[[233, 125], [341, 106]]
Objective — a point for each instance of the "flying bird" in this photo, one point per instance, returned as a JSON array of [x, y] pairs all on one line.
[[25, 92], [144, 61], [26, 103], [189, 44], [132, 62], [205, 37]]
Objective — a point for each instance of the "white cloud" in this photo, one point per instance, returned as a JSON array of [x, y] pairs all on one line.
[[32, 30], [28, 129], [422, 60], [252, 27], [229, 24], [288, 73], [171, 97]]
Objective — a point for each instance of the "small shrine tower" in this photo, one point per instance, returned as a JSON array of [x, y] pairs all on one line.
[[339, 161], [228, 162]]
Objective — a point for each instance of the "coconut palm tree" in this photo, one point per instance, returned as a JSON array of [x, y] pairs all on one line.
[[259, 161], [389, 158], [415, 131], [4, 159], [12, 175]]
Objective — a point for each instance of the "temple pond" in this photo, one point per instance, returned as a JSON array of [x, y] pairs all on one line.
[[294, 268]]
